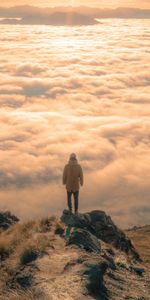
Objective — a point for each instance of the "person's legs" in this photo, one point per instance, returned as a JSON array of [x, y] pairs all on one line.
[[69, 200], [76, 200]]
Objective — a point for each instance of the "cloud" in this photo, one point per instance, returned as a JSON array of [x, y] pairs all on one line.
[[29, 70], [64, 99]]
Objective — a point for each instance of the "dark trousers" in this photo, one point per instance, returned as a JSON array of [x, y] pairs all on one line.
[[76, 200]]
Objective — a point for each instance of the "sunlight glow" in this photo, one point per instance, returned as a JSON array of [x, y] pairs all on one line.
[[92, 3]]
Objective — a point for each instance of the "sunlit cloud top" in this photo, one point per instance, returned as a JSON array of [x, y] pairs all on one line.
[[93, 3], [65, 90]]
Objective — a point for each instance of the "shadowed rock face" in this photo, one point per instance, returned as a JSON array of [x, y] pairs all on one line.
[[7, 220], [96, 286], [85, 240], [102, 227]]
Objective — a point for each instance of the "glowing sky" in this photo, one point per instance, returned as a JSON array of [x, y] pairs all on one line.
[[94, 3]]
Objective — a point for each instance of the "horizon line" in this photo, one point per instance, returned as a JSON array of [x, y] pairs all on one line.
[[74, 6]]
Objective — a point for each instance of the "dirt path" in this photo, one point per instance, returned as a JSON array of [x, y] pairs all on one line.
[[51, 277], [60, 276]]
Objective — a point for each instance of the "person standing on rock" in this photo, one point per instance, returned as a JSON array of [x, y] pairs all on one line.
[[73, 178]]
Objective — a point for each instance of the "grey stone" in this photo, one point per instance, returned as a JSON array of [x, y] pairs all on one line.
[[85, 240], [101, 226]]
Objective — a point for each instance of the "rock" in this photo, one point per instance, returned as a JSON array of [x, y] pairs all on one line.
[[101, 226], [85, 240], [95, 284], [59, 230], [7, 220], [137, 270], [110, 261], [110, 251], [79, 220]]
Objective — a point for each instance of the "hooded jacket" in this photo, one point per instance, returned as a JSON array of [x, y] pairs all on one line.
[[73, 176]]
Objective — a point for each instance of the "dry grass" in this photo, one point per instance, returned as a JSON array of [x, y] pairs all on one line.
[[4, 247], [32, 233], [141, 240], [17, 295], [21, 245], [47, 223]]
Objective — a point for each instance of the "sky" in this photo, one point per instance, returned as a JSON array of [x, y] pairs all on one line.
[[65, 90], [93, 3]]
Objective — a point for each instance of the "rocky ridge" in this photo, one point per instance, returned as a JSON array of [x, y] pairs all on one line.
[[102, 227], [88, 257]]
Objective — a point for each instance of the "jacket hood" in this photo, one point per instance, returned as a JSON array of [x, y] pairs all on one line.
[[73, 162]]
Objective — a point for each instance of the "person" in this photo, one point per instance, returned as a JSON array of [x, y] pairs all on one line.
[[73, 179]]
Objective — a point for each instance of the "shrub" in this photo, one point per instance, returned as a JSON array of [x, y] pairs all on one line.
[[7, 220], [28, 255]]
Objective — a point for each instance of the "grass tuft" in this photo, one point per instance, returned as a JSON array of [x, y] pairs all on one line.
[[28, 255], [20, 245]]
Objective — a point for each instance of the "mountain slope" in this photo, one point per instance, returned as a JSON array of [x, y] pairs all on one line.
[[57, 19], [68, 259], [27, 10], [141, 240]]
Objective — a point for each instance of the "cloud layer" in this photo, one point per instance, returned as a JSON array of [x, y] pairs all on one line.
[[68, 90]]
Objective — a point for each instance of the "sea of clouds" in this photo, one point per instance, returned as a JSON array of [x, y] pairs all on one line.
[[76, 89]]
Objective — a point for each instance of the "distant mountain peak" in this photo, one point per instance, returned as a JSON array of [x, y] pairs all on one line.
[[23, 11]]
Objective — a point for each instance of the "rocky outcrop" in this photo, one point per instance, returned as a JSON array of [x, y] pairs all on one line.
[[102, 227], [85, 240], [7, 220]]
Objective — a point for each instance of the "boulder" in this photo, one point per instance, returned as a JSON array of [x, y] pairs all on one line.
[[137, 270]]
